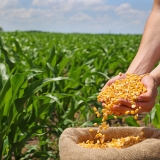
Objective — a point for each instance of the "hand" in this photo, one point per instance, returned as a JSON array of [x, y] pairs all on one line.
[[145, 101], [112, 80]]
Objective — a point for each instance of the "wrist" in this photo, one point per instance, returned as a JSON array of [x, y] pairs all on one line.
[[156, 78]]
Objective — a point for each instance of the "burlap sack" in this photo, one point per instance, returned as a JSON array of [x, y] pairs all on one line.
[[149, 149]]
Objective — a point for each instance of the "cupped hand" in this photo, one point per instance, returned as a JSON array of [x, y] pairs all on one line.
[[145, 101]]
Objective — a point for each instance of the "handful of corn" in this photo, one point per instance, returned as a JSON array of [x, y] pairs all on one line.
[[129, 88]]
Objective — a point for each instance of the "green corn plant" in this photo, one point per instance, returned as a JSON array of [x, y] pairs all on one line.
[[24, 111]]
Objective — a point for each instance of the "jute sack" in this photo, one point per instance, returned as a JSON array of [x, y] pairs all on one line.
[[149, 149]]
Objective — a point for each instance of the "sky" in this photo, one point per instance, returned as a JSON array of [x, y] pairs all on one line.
[[80, 16]]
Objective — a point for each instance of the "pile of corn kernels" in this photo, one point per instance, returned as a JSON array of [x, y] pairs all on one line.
[[114, 143]]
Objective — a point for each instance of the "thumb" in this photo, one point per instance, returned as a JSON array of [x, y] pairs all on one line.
[[147, 96], [144, 97]]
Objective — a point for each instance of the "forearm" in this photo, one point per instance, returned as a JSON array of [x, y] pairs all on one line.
[[149, 51]]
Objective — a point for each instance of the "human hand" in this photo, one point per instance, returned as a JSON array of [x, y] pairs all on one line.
[[112, 80], [145, 101]]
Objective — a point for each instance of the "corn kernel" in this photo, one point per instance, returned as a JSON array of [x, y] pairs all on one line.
[[136, 116], [120, 74], [140, 107], [136, 111], [95, 124], [91, 129], [133, 106], [95, 109], [127, 112], [115, 117]]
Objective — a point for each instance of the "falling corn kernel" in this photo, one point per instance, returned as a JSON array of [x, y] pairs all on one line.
[[136, 111], [95, 124], [133, 106], [140, 107], [98, 141], [120, 74], [95, 109], [136, 116], [127, 112], [91, 129], [132, 112], [115, 117]]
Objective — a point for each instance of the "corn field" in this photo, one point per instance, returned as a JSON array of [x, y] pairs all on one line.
[[50, 81]]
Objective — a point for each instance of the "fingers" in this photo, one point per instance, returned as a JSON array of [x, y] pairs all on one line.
[[148, 95], [151, 87], [108, 83], [124, 102], [112, 80], [147, 105], [121, 109]]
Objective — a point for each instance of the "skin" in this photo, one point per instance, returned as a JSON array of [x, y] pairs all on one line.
[[144, 62]]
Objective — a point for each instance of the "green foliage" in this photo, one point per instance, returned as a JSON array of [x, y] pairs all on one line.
[[153, 117], [50, 82]]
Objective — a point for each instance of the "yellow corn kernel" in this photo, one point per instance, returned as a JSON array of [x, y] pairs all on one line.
[[136, 116], [98, 141], [133, 106], [95, 109], [127, 112], [99, 135], [136, 111], [120, 74], [87, 141], [95, 124], [140, 107], [115, 117], [91, 129], [97, 113]]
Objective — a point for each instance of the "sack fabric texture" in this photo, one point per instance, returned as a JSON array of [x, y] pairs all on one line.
[[148, 149]]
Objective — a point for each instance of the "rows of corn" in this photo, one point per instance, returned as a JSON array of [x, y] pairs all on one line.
[[50, 81]]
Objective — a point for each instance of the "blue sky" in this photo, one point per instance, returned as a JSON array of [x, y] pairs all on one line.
[[83, 16]]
